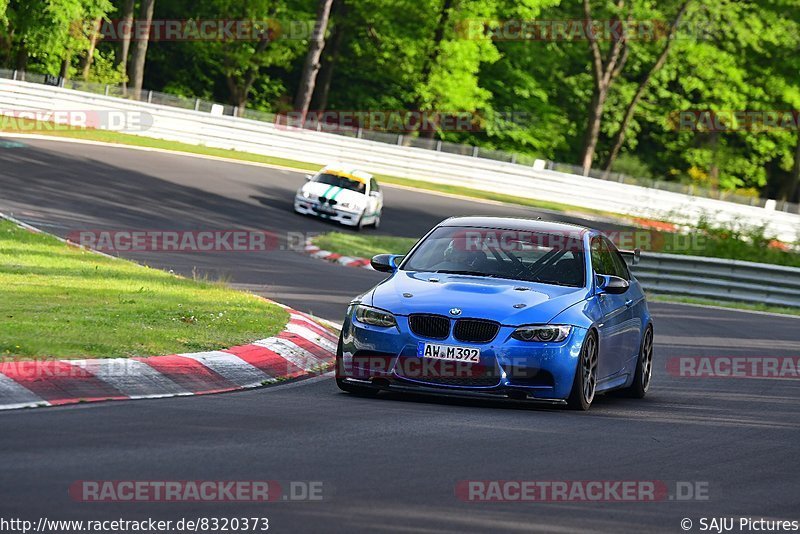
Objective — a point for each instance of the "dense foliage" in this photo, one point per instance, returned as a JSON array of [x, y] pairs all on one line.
[[610, 103]]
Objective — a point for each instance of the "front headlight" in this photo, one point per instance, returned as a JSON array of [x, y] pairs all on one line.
[[310, 196], [374, 316], [542, 334]]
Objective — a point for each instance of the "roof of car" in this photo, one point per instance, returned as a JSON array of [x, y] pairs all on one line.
[[515, 223], [347, 171]]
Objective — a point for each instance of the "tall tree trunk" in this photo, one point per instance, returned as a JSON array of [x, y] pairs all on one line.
[[311, 69], [619, 138], [794, 190], [604, 72], [125, 46], [88, 59], [65, 64], [433, 56], [323, 87], [139, 59], [21, 61], [593, 129]]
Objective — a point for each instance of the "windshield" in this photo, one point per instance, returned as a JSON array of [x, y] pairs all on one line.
[[340, 181], [556, 259]]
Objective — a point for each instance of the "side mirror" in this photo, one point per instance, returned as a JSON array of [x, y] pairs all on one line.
[[386, 263], [632, 256], [308, 177], [612, 284]]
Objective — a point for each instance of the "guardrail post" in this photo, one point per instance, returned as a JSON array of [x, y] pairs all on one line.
[[399, 140], [149, 97], [197, 104], [359, 132], [14, 76], [514, 158], [439, 145], [108, 90], [474, 152]]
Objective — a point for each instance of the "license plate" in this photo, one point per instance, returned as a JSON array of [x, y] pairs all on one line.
[[448, 352], [326, 210]]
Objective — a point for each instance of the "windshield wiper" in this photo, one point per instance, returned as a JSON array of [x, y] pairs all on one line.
[[471, 273]]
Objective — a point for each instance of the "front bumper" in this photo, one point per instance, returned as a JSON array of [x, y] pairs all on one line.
[[387, 358], [313, 207]]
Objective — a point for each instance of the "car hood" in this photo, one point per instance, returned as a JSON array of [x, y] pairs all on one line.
[[340, 194], [476, 297]]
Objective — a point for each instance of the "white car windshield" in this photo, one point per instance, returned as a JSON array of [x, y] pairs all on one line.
[[341, 181]]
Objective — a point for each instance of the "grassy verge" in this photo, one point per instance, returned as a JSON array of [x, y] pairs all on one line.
[[60, 301], [139, 141], [738, 241], [362, 246]]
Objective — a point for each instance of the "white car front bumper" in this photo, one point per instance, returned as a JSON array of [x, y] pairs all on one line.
[[307, 206]]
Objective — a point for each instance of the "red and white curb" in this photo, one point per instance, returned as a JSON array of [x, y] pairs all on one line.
[[348, 261], [304, 348]]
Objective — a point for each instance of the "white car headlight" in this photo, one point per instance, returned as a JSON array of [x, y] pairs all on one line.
[[307, 195], [542, 334]]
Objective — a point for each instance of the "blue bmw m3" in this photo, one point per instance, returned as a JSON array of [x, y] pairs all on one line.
[[502, 308]]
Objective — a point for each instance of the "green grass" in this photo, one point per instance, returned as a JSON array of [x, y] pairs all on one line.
[[363, 246], [738, 241], [64, 302]]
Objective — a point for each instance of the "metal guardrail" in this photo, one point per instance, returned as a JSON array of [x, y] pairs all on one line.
[[719, 279], [390, 138]]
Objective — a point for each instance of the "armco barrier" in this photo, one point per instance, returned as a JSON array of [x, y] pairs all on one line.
[[720, 279], [202, 128]]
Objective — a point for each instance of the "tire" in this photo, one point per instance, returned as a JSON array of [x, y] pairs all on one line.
[[345, 386], [360, 224], [644, 368], [377, 223], [584, 385]]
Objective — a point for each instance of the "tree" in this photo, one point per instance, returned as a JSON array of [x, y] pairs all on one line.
[[312, 63], [126, 22], [49, 33], [619, 138], [139, 59]]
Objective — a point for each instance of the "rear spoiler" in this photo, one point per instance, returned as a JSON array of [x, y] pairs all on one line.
[[634, 255]]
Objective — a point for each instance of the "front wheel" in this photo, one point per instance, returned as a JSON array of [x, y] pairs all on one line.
[[585, 383], [360, 224], [644, 367]]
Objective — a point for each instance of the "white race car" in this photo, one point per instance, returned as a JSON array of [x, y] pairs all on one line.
[[341, 194]]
